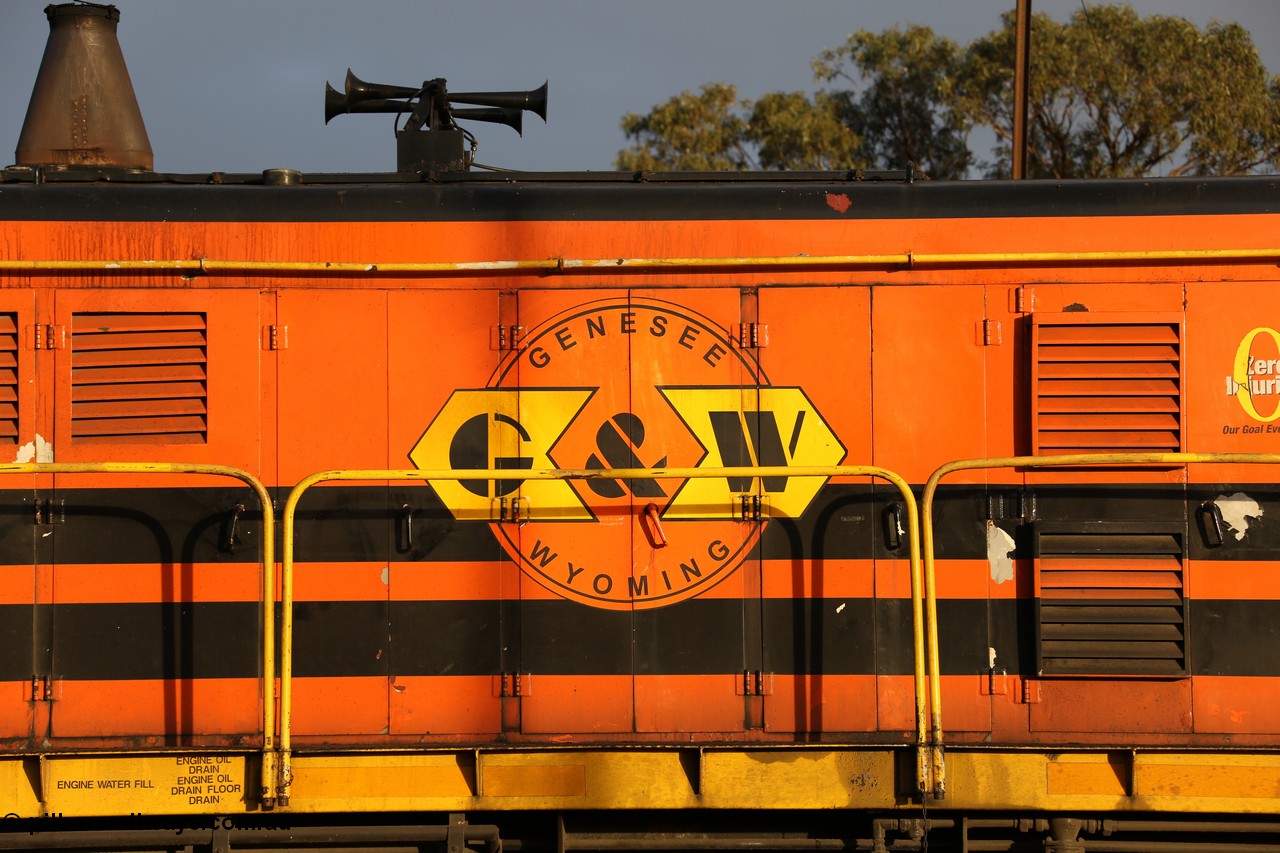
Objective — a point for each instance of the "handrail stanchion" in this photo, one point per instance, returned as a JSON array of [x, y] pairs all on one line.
[[268, 573], [929, 767]]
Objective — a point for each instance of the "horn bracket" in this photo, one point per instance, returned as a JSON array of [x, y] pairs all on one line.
[[430, 139]]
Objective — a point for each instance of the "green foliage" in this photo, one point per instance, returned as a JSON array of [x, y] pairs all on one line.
[[901, 99], [1112, 95], [1115, 95], [689, 132], [790, 131]]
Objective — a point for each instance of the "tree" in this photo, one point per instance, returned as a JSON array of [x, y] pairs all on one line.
[[790, 131], [1116, 95], [902, 100], [706, 132], [1112, 95], [689, 132]]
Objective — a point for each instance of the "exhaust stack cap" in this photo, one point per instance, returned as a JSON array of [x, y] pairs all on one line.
[[83, 111]]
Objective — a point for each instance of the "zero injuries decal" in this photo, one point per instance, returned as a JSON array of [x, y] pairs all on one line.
[[628, 384], [1255, 379]]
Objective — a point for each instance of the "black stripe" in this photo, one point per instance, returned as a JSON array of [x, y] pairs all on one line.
[[341, 639], [1234, 637], [452, 637], [167, 526], [564, 638], [366, 524], [151, 641], [16, 627], [685, 640], [533, 200], [346, 638]]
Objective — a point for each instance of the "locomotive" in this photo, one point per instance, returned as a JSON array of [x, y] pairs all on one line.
[[657, 511]]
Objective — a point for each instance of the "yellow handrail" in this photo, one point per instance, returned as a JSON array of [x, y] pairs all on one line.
[[1075, 460], [927, 764], [268, 571], [546, 266]]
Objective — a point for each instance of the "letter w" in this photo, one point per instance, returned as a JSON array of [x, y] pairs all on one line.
[[748, 439], [543, 554]]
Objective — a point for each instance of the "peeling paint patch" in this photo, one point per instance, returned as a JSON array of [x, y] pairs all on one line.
[[839, 203], [991, 653], [386, 575], [35, 451], [1000, 548], [840, 607], [1236, 511]]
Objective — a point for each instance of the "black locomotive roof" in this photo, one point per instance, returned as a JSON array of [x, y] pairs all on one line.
[[283, 196]]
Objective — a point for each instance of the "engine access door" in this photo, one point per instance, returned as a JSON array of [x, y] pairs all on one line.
[[819, 651], [156, 620], [25, 552]]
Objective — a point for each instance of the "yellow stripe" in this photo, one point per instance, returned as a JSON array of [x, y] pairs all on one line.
[[173, 783]]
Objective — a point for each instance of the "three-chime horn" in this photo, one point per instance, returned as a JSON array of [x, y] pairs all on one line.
[[506, 108]]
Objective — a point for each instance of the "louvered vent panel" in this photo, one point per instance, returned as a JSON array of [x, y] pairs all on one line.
[[8, 378], [139, 378], [1111, 600], [1109, 386]]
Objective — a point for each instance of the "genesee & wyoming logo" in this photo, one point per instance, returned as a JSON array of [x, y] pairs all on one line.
[[618, 383]]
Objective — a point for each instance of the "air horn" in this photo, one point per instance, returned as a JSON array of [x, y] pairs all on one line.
[[430, 139], [359, 96]]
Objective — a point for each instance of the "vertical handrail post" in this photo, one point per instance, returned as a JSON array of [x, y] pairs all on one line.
[[1074, 460], [268, 774]]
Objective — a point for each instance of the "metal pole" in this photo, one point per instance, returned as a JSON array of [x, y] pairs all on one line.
[[1021, 89]]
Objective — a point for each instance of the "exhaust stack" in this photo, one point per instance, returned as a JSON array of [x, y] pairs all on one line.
[[83, 111]]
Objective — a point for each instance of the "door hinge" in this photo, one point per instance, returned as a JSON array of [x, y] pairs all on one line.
[[995, 682], [504, 337], [508, 684], [991, 334], [1024, 299], [753, 335], [46, 336], [1020, 506], [49, 512], [755, 683], [275, 337], [513, 510], [752, 507], [1030, 691], [41, 689]]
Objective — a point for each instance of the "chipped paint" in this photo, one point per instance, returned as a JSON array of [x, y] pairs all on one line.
[[1236, 511], [840, 607], [839, 203], [38, 450], [991, 654], [386, 575], [1000, 548]]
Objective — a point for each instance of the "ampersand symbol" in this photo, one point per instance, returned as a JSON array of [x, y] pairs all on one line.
[[617, 440]]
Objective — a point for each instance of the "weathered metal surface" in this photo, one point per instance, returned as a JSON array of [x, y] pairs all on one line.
[[83, 111]]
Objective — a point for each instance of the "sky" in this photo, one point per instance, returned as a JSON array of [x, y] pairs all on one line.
[[238, 85]]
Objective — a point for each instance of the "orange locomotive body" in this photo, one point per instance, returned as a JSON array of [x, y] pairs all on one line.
[[698, 636]]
